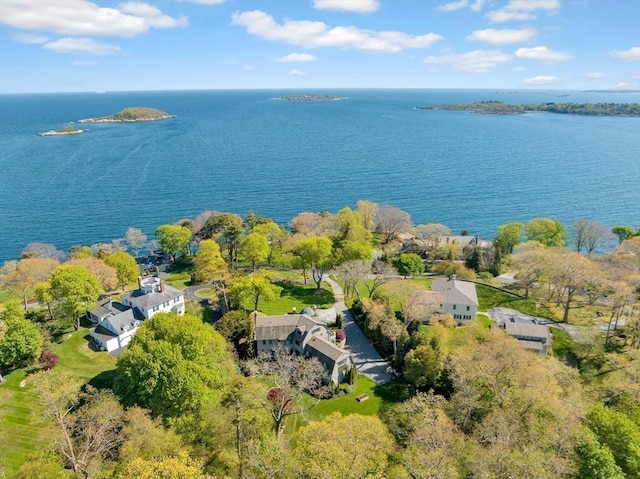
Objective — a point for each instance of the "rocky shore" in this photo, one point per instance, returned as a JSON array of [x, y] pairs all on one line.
[[62, 132], [131, 115]]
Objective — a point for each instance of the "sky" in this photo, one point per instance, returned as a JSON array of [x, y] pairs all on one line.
[[104, 45]]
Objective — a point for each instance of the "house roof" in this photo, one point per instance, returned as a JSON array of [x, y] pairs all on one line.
[[124, 321], [456, 291], [280, 327], [108, 306], [149, 300], [102, 333], [532, 345], [321, 348], [527, 330]]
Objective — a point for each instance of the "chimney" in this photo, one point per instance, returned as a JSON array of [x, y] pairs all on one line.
[[453, 277], [140, 282], [161, 286]]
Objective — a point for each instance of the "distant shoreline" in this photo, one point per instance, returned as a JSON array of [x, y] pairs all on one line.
[[310, 97], [501, 108]]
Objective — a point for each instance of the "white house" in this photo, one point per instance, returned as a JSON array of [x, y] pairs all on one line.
[[117, 322], [153, 296], [460, 298], [306, 336]]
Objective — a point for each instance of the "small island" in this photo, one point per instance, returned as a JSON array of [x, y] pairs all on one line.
[[502, 108], [67, 130], [131, 114], [310, 97]]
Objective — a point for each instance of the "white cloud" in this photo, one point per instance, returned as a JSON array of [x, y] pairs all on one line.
[[358, 6], [518, 69], [595, 75], [28, 38], [621, 85], [82, 17], [542, 80], [311, 34], [478, 61], [297, 58], [84, 63], [450, 7], [297, 73], [457, 5], [630, 55], [204, 2], [81, 45], [523, 10], [502, 37], [542, 53], [248, 68]]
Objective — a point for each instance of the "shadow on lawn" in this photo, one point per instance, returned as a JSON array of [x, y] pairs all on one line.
[[307, 295], [393, 392], [104, 380]]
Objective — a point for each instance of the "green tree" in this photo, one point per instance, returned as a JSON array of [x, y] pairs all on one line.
[[42, 466], [227, 228], [255, 248], [146, 438], [349, 447], [354, 251], [422, 366], [254, 288], [316, 254], [74, 290], [595, 461], [174, 239], [126, 267], [368, 211], [238, 327], [80, 252], [547, 231], [20, 340], [408, 264], [623, 232], [208, 262], [276, 236], [172, 365], [508, 236], [178, 466], [617, 432]]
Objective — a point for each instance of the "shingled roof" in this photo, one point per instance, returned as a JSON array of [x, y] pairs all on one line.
[[280, 327], [150, 300], [456, 291]]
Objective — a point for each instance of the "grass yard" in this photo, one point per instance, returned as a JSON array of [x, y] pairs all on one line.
[[484, 320], [562, 345], [23, 431], [490, 298], [298, 296], [6, 295], [380, 398]]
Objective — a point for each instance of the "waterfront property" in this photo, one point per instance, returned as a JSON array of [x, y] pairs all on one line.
[[460, 298], [117, 322], [300, 334], [532, 336]]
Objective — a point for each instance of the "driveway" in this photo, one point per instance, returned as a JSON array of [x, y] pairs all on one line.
[[501, 315], [364, 355]]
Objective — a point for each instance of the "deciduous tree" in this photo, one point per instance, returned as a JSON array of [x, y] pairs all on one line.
[[623, 232], [20, 340], [530, 266], [589, 235], [254, 287], [276, 236], [413, 301], [208, 262], [391, 221], [107, 275], [174, 239], [547, 231], [368, 211], [42, 250], [316, 253], [408, 264], [136, 240], [255, 248], [22, 276], [227, 229], [238, 328], [308, 224], [351, 273], [508, 236], [127, 269]]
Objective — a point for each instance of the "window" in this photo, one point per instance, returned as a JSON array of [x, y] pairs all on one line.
[[454, 306], [468, 308]]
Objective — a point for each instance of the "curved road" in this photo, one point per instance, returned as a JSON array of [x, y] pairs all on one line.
[[364, 355]]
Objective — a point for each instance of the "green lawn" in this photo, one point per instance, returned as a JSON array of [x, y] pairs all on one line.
[[490, 298], [6, 295], [380, 397], [562, 345], [23, 431], [296, 295], [484, 320]]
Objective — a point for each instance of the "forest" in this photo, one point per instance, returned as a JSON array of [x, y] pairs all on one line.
[[191, 398]]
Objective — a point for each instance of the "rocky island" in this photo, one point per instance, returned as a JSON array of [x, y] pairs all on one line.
[[67, 130], [131, 114], [502, 108], [310, 97]]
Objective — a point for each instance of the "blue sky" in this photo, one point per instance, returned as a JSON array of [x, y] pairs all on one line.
[[103, 45]]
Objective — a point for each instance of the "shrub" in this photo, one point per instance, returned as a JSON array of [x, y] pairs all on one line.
[[339, 321], [48, 359]]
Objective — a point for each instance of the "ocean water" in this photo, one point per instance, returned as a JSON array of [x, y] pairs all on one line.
[[240, 150]]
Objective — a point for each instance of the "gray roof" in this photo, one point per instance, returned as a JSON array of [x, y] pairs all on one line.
[[281, 327], [150, 300], [527, 330], [108, 306], [102, 333], [532, 345], [456, 291], [324, 350], [123, 321]]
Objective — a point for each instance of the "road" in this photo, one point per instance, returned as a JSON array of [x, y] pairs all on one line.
[[364, 355]]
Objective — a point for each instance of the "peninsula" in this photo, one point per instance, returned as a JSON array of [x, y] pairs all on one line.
[[131, 114], [502, 108], [310, 97], [67, 130]]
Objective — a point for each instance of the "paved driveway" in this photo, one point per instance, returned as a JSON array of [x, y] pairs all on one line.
[[365, 356]]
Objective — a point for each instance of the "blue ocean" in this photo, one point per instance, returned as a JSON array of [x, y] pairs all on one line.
[[241, 150]]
